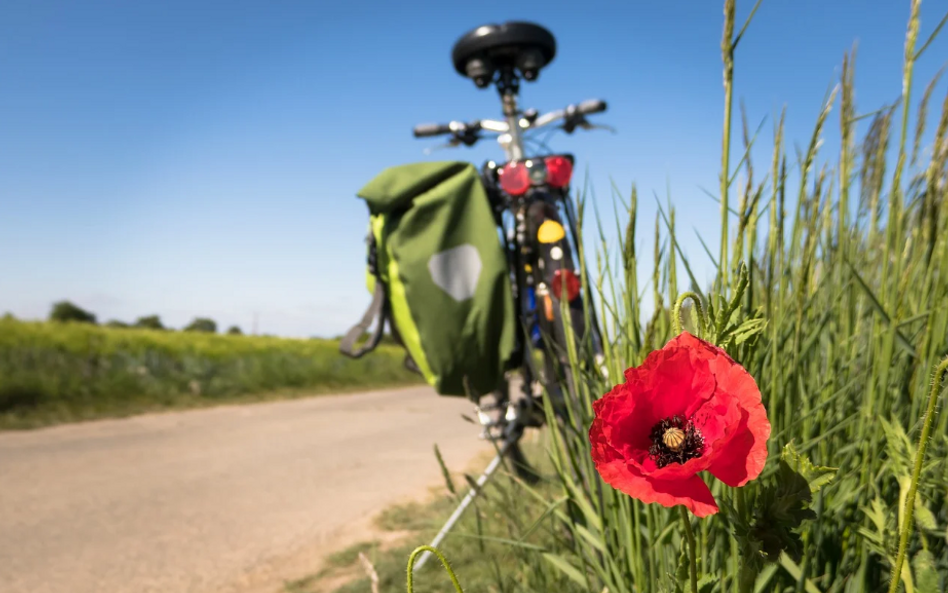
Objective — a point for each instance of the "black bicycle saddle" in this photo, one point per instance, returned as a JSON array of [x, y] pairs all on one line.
[[526, 47]]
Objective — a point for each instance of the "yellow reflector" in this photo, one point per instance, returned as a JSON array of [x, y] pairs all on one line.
[[548, 307], [550, 232]]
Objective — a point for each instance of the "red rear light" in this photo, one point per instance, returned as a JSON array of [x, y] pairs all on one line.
[[572, 284], [514, 179], [559, 169]]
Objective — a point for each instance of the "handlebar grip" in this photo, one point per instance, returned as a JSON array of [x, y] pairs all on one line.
[[425, 130], [591, 106]]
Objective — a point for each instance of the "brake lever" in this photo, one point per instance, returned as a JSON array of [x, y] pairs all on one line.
[[589, 126], [574, 120], [580, 121], [452, 143]]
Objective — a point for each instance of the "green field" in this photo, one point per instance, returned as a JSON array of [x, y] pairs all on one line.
[[60, 372]]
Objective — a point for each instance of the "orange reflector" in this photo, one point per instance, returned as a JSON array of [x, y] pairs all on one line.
[[548, 307], [550, 232]]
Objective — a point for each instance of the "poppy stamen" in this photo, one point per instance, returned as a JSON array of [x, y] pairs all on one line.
[[675, 440]]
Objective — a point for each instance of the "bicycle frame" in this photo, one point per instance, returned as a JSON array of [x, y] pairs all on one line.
[[531, 284], [528, 257]]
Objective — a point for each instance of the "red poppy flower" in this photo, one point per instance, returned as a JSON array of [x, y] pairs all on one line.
[[687, 409]]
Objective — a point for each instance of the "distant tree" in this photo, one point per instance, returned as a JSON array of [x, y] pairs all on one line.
[[149, 322], [117, 324], [9, 316], [234, 331], [202, 324], [66, 311]]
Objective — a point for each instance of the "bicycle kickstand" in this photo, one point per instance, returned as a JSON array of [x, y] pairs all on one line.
[[468, 498]]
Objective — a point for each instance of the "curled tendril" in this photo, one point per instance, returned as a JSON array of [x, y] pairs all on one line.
[[676, 312], [444, 562]]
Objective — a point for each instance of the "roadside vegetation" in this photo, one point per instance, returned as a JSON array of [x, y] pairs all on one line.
[[53, 372]]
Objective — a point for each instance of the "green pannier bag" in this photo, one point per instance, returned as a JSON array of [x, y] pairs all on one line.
[[439, 277]]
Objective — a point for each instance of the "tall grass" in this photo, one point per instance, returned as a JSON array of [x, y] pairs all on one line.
[[855, 302], [843, 302], [53, 372]]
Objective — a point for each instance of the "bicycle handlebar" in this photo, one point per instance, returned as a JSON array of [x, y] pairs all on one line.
[[591, 106], [571, 111], [426, 130]]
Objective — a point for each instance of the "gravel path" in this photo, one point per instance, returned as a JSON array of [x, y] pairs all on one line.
[[235, 498]]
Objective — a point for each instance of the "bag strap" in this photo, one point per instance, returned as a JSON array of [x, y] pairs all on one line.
[[377, 309]]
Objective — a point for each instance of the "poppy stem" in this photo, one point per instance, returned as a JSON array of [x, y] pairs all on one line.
[[746, 576], [692, 556], [916, 474]]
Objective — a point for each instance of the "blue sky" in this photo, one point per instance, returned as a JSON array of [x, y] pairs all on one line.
[[201, 158]]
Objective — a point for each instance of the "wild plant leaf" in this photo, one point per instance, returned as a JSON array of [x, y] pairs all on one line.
[[877, 514], [707, 583], [551, 508], [746, 330], [682, 576], [793, 569], [580, 499], [472, 483], [816, 476], [849, 490], [763, 579], [926, 575], [877, 539], [666, 533], [448, 482], [781, 507], [899, 449], [923, 516], [591, 539], [683, 570], [566, 568], [900, 338]]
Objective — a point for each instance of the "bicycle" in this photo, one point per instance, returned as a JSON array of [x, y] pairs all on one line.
[[530, 198]]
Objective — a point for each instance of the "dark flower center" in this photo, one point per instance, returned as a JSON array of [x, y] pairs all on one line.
[[675, 440]]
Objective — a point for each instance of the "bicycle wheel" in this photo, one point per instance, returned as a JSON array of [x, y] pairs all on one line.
[[571, 345], [568, 341]]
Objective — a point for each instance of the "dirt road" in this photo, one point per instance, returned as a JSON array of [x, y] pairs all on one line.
[[225, 499]]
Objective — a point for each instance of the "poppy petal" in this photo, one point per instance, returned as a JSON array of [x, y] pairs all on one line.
[[691, 492], [679, 385], [743, 457], [626, 422]]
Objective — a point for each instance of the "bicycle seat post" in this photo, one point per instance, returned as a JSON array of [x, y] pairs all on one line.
[[508, 85]]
